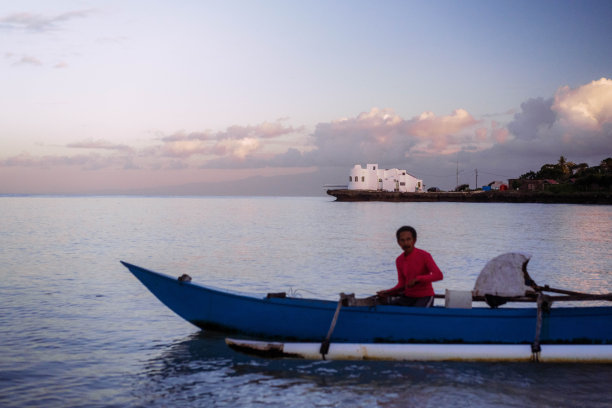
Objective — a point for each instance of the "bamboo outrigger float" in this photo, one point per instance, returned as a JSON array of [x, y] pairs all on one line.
[[549, 353]]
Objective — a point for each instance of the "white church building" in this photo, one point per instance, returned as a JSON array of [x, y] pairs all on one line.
[[374, 178]]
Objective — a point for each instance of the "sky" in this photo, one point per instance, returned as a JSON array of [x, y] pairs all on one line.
[[123, 95]]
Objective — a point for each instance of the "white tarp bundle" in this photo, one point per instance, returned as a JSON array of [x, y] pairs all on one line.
[[504, 276]]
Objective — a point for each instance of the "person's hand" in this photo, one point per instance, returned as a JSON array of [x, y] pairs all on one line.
[[411, 283]]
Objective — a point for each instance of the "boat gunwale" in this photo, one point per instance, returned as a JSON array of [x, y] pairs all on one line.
[[313, 303]]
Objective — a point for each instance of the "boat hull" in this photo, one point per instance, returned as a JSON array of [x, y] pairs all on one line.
[[308, 320]]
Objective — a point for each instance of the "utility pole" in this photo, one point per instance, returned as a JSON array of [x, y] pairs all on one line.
[[457, 185], [476, 186]]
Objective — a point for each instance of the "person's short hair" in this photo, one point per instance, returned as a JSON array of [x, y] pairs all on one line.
[[406, 228]]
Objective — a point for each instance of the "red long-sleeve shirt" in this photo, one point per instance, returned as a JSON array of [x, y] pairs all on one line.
[[417, 265]]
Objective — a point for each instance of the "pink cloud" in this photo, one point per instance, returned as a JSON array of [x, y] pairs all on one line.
[[481, 134], [236, 148], [184, 148], [428, 125], [381, 135], [235, 142], [501, 135], [232, 146], [265, 130], [240, 148], [28, 60], [442, 134]]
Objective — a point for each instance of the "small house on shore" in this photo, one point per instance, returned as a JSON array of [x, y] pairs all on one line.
[[495, 185], [374, 178], [531, 185]]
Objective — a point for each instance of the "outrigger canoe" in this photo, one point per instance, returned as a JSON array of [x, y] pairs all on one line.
[[308, 320]]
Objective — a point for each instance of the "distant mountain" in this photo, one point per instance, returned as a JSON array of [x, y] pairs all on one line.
[[307, 184]]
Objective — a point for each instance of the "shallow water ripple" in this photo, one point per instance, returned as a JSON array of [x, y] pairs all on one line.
[[76, 329]]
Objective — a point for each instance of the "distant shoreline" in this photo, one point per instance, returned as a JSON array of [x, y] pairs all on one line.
[[602, 198]]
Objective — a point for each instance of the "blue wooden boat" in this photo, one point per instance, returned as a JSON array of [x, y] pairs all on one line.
[[308, 320]]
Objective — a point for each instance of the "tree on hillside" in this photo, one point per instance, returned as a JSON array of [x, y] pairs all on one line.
[[579, 168], [550, 171], [562, 163], [572, 176], [595, 178], [566, 167], [530, 175]]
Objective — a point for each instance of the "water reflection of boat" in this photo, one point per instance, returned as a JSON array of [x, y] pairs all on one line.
[[308, 320]]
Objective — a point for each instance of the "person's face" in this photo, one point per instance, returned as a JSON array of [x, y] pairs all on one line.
[[406, 241]]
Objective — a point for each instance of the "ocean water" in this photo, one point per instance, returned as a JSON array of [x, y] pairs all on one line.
[[78, 330]]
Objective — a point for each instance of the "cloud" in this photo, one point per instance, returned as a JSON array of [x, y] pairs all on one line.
[[265, 130], [443, 134], [535, 115], [237, 148], [428, 125], [24, 60], [182, 136], [28, 60], [99, 145], [379, 136], [184, 148], [588, 107], [574, 121], [38, 23], [234, 147], [500, 134], [233, 144], [375, 134], [382, 136]]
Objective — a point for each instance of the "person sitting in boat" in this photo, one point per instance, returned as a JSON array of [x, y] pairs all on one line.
[[416, 270]]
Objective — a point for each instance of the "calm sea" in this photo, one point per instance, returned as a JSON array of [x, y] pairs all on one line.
[[77, 330]]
